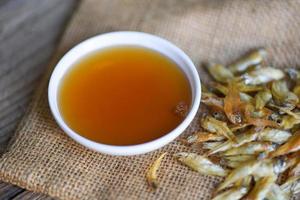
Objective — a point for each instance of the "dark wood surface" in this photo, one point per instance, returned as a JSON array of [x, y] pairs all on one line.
[[29, 33]]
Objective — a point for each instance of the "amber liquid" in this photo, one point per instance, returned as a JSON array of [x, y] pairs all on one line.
[[123, 95]]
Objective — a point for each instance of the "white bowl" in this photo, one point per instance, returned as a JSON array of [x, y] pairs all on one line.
[[124, 38]]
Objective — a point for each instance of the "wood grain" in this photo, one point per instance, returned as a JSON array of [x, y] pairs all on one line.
[[29, 33], [9, 191]]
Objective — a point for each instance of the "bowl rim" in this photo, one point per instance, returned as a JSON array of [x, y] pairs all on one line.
[[125, 150]]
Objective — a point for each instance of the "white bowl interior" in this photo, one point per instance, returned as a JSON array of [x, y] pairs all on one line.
[[121, 39]]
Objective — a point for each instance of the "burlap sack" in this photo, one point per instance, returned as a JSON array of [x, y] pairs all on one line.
[[43, 159]]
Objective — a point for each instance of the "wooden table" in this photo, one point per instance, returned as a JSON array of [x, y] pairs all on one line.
[[29, 33]]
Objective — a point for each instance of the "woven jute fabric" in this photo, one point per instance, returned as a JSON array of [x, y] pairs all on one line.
[[43, 158]]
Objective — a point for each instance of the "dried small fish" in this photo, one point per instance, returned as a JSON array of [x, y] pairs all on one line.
[[262, 75], [274, 135], [283, 96], [252, 127], [288, 122], [200, 164], [246, 137], [241, 139], [251, 148], [239, 173], [261, 188], [253, 58], [152, 172], [215, 126], [199, 137], [232, 104], [232, 194], [210, 99], [219, 72], [262, 98], [292, 145]]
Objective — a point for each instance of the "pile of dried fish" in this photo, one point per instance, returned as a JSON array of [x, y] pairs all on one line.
[[252, 126]]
